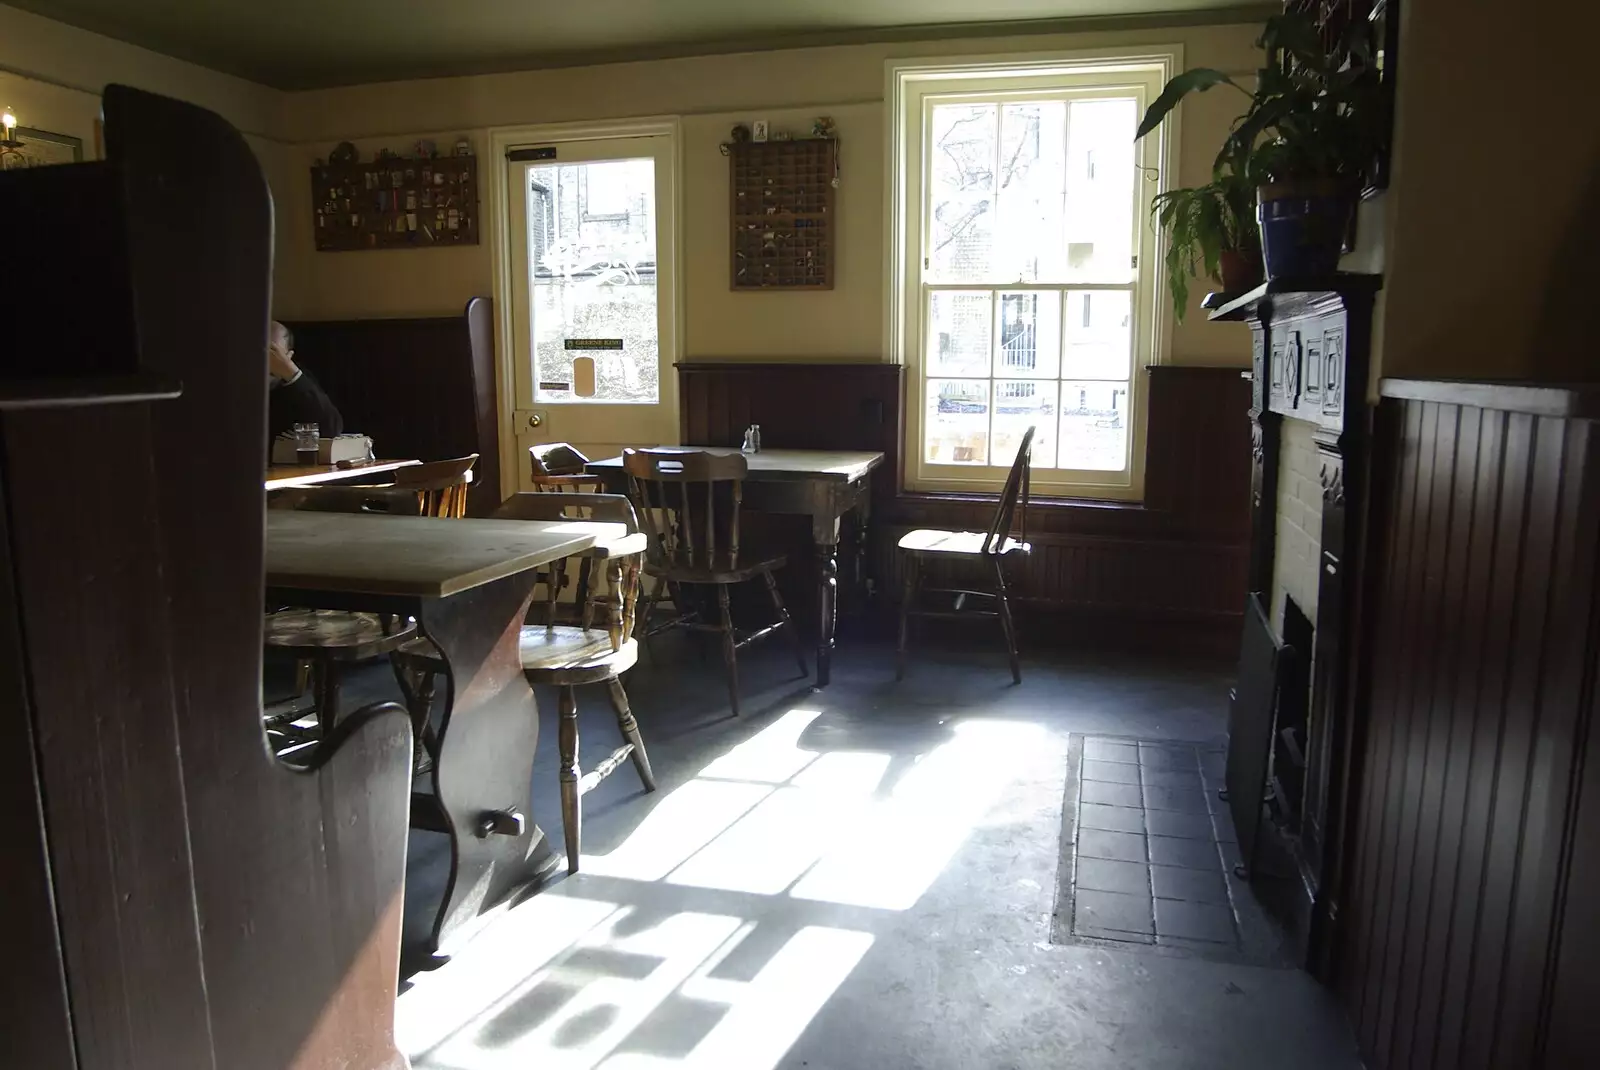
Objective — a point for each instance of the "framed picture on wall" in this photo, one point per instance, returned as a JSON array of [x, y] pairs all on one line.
[[41, 148]]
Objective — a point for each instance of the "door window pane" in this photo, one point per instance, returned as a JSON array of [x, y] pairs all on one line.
[[960, 329], [592, 251], [1099, 334], [956, 428], [1094, 426], [961, 193]]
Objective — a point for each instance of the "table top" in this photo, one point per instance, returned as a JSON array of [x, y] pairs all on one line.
[[284, 476], [414, 556], [837, 466]]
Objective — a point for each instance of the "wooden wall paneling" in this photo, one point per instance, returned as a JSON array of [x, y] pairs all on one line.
[[420, 387], [1573, 1033], [297, 874], [1554, 685], [33, 986], [1479, 693]]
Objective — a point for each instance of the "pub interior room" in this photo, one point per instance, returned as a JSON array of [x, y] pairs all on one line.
[[1021, 534]]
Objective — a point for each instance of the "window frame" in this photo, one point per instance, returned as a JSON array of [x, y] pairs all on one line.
[[912, 87]]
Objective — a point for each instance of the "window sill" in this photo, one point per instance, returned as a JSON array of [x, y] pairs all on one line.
[[1034, 501]]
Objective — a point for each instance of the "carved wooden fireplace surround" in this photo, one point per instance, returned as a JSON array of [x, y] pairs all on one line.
[[1311, 344]]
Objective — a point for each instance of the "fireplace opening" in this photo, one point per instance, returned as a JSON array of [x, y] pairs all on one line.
[[1292, 730]]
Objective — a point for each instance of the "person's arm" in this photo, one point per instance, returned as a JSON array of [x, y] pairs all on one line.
[[301, 400]]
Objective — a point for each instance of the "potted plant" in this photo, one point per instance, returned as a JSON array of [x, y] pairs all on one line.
[[1211, 230], [1312, 128]]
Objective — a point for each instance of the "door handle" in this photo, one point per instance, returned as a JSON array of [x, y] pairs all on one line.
[[535, 420]]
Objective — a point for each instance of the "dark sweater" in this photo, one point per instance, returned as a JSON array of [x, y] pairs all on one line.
[[301, 402]]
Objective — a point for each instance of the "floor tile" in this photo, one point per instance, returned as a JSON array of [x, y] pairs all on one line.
[[1111, 910], [1177, 823], [1195, 921], [1099, 843], [1125, 937], [1113, 818], [1172, 759], [1194, 885], [1107, 875], [1189, 800], [1171, 778], [1099, 791], [1101, 751], [1193, 854], [1114, 772], [1222, 827]]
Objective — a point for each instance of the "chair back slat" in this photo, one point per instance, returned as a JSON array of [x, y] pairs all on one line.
[[440, 486], [698, 526], [1014, 493]]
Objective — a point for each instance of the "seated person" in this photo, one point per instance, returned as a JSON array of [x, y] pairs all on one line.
[[293, 396]]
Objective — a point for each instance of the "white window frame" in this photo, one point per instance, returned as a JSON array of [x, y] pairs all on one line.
[[911, 85]]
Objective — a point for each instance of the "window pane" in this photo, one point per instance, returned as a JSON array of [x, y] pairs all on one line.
[[1094, 425], [1033, 154], [1099, 334], [1018, 404], [1100, 189], [961, 193], [960, 329], [591, 247], [957, 425], [1030, 335]]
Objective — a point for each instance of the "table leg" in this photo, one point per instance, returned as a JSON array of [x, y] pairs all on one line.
[[486, 742], [826, 536]]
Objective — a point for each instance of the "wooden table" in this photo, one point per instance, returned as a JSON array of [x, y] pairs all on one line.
[[469, 584], [821, 484], [285, 476]]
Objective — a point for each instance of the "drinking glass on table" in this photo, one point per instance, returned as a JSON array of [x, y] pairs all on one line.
[[307, 444]]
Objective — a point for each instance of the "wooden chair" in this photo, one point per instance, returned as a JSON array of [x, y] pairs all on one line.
[[568, 657], [689, 505], [440, 486], [990, 549], [322, 643], [556, 467]]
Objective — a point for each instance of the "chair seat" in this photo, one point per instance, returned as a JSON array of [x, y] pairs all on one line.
[[547, 651], [334, 633], [748, 569], [966, 543], [566, 654]]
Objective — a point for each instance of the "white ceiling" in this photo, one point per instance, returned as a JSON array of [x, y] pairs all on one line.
[[297, 44]]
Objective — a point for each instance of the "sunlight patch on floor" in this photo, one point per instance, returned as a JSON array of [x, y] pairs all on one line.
[[569, 982]]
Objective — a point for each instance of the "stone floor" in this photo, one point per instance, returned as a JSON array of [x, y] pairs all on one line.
[[860, 879]]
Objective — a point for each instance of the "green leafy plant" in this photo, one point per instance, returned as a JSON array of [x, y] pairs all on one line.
[[1314, 115], [1315, 111]]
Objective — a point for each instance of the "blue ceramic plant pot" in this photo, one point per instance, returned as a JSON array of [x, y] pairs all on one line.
[[1303, 227]]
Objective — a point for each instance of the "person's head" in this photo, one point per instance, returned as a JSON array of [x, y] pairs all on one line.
[[281, 337]]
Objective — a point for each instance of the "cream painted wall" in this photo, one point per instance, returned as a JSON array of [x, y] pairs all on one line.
[[1494, 207], [711, 93], [51, 76]]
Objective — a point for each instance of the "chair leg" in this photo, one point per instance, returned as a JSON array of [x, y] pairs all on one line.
[[302, 677], [641, 626], [630, 732], [730, 652], [788, 625], [571, 798], [907, 597], [325, 682], [1005, 618]]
